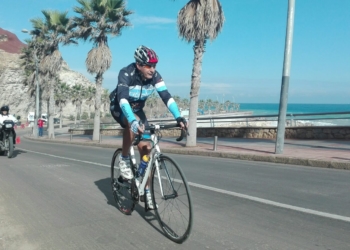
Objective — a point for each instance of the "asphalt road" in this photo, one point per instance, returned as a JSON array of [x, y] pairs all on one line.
[[55, 196]]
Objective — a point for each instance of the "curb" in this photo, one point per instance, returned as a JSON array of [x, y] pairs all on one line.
[[246, 157]]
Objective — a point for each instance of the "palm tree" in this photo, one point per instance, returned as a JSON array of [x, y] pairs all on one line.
[[185, 103], [31, 55], [209, 103], [53, 29], [216, 105], [105, 101], [28, 64], [78, 92], [201, 105], [97, 20], [227, 106], [198, 21], [90, 93], [62, 96]]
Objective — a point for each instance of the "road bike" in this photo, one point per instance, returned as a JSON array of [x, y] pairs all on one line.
[[170, 191]]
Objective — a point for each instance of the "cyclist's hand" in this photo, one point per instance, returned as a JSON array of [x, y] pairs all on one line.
[[182, 122], [136, 128]]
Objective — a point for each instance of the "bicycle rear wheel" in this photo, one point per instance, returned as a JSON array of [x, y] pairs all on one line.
[[171, 194], [123, 190]]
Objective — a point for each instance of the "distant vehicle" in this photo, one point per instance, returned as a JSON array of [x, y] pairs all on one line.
[[56, 120], [44, 117], [184, 113], [30, 117]]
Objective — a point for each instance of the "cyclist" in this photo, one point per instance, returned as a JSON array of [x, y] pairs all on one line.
[[136, 82], [4, 115]]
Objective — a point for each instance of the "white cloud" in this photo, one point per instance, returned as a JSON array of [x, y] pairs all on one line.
[[152, 20]]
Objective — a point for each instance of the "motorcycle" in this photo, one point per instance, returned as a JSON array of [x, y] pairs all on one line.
[[7, 138]]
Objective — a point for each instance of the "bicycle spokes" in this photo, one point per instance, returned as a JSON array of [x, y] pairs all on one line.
[[171, 194]]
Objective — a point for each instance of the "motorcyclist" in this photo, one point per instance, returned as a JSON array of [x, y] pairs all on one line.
[[4, 115]]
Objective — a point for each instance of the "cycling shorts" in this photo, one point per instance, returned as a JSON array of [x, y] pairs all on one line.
[[119, 117]]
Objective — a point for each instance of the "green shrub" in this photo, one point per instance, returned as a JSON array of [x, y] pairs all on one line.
[[85, 116]]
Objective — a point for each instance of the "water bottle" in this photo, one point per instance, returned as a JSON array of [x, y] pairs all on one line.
[[143, 165]]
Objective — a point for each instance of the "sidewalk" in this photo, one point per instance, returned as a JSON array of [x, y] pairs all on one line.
[[317, 153]]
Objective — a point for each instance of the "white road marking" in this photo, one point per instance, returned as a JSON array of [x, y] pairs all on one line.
[[243, 196], [65, 158], [273, 203]]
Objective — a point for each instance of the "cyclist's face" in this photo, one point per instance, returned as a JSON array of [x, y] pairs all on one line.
[[147, 71]]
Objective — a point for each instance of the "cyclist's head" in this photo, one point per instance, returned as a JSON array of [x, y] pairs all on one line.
[[144, 55], [4, 110], [146, 61]]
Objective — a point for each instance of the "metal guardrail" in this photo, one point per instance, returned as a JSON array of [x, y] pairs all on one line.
[[214, 120]]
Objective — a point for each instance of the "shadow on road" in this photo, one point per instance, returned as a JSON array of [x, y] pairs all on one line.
[[15, 153], [18, 152], [104, 185]]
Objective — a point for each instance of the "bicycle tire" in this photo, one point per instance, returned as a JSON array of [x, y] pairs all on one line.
[[123, 191], [173, 209]]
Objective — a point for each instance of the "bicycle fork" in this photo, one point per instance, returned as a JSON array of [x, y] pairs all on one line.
[[163, 166]]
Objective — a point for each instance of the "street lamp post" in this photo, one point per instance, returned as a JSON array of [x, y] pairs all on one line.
[[285, 79], [36, 114]]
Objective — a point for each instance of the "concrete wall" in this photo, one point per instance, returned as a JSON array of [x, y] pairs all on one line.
[[250, 132], [270, 133]]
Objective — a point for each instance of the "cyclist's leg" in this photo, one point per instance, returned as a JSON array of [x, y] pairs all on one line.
[[124, 159], [143, 147], [127, 136]]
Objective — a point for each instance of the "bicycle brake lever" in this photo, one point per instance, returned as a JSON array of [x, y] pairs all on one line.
[[137, 139], [183, 134]]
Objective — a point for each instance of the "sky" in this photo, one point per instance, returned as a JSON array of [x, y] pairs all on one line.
[[244, 64]]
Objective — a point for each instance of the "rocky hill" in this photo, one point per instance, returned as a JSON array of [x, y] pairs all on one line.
[[9, 42], [12, 90]]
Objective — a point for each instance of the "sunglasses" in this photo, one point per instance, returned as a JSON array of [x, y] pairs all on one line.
[[148, 66]]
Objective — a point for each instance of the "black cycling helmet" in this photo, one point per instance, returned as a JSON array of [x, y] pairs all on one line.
[[5, 108], [145, 55]]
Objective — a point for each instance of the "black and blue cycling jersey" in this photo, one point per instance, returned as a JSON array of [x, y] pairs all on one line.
[[132, 92]]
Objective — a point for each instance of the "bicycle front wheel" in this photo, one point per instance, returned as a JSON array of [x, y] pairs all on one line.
[[123, 190], [171, 194]]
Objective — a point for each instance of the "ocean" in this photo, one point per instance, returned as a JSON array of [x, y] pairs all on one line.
[[293, 108], [261, 109]]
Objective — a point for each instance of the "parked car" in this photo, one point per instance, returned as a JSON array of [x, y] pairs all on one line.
[[56, 120]]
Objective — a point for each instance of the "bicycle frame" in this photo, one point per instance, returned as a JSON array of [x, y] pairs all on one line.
[[155, 151], [154, 155]]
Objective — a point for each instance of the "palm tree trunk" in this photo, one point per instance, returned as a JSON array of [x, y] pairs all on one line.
[[61, 114], [51, 132], [76, 114], [80, 112], [195, 85], [96, 133]]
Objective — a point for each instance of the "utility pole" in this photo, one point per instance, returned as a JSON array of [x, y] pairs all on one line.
[[36, 114], [281, 127]]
